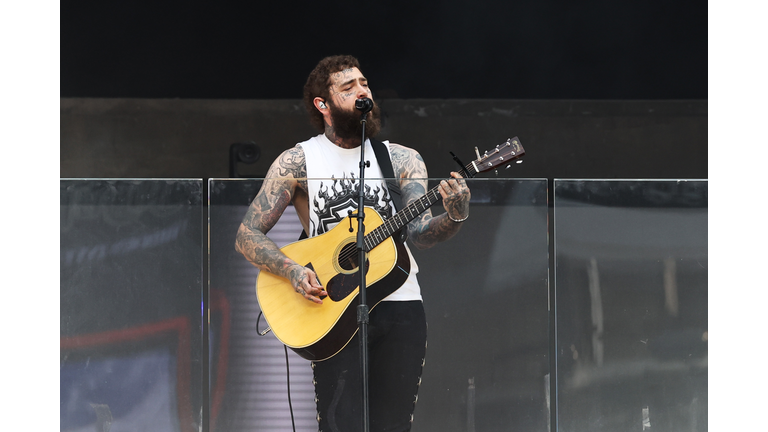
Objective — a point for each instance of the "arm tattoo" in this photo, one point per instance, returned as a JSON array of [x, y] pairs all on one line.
[[425, 231], [291, 163], [287, 172]]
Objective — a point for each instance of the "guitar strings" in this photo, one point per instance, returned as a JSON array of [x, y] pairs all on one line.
[[380, 234], [388, 227]]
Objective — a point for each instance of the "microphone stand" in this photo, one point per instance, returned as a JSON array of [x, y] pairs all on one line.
[[362, 308]]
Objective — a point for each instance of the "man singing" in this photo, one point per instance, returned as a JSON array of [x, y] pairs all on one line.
[[397, 329]]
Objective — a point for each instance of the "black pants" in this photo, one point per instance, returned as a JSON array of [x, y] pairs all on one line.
[[397, 339]]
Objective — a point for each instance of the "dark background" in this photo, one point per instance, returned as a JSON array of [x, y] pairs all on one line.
[[545, 49], [594, 89]]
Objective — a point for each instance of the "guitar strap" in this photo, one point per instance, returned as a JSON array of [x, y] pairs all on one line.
[[385, 163]]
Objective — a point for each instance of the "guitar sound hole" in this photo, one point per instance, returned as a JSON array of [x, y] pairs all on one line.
[[348, 257], [348, 279]]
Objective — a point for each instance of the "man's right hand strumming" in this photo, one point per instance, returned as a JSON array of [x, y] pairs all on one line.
[[305, 282]]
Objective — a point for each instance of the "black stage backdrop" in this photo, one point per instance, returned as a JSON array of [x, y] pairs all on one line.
[[545, 49]]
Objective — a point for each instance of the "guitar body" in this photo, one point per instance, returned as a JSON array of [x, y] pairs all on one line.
[[319, 331]]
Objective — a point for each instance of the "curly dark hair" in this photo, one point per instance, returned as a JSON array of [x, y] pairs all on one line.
[[319, 82]]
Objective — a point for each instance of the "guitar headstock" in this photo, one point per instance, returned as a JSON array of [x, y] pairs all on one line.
[[510, 150]]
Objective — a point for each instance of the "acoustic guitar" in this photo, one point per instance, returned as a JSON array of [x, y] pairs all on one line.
[[319, 331]]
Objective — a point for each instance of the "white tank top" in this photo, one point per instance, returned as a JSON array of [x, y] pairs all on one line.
[[333, 182]]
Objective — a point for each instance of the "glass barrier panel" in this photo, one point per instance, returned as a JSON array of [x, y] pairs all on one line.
[[631, 304], [131, 350], [485, 294]]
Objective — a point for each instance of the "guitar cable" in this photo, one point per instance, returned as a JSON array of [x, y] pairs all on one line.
[[287, 370]]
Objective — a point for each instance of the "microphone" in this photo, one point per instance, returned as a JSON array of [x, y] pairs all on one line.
[[364, 104]]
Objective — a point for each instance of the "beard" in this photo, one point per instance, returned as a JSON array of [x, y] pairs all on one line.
[[347, 124]]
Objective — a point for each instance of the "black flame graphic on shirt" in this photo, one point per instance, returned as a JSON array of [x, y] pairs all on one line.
[[333, 202]]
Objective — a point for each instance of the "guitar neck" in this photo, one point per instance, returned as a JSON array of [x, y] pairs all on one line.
[[409, 213], [504, 153]]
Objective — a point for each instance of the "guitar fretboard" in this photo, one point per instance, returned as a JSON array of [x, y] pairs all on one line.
[[409, 213], [502, 154]]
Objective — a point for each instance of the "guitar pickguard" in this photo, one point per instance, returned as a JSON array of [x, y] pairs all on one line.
[[343, 284]]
